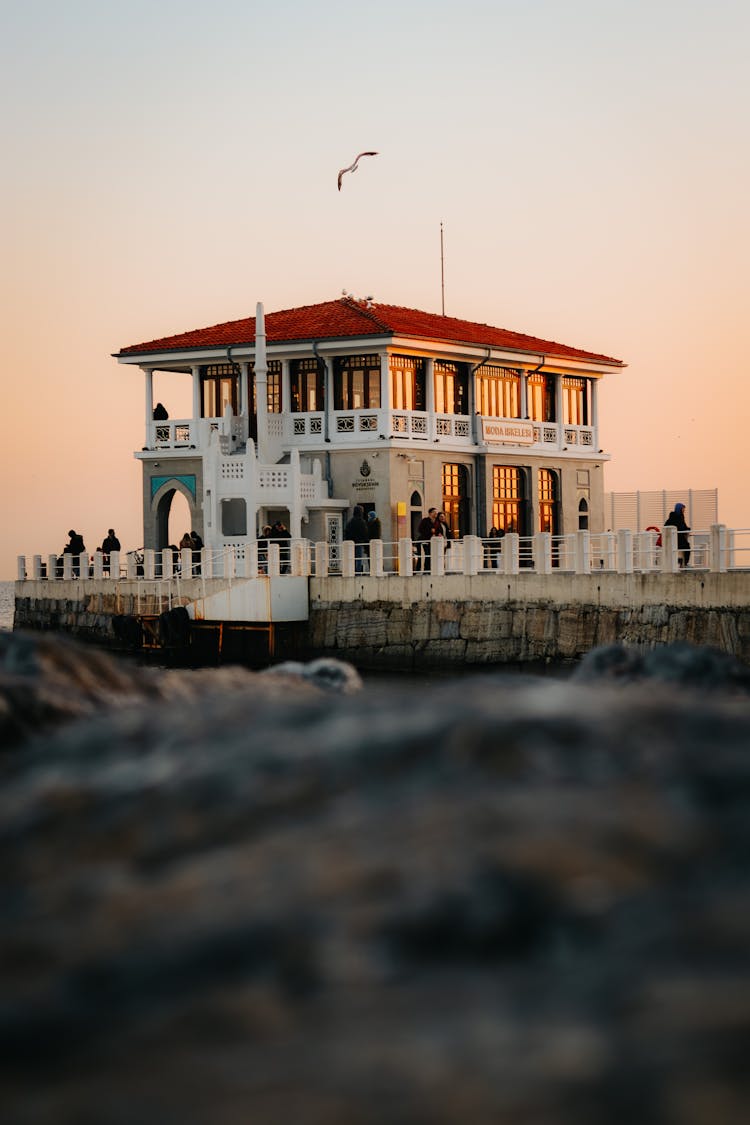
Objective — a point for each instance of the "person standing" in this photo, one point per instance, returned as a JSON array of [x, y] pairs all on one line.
[[75, 547], [356, 532], [676, 518], [197, 544], [493, 548], [373, 530], [425, 532], [111, 543]]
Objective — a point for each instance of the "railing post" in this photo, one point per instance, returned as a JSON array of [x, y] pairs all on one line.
[[274, 560], [583, 552], [98, 564], [149, 564], [67, 566], [251, 560], [21, 568], [167, 562], [405, 558], [625, 551], [669, 564], [376, 558], [186, 562], [472, 554], [718, 559], [131, 567], [114, 564], [543, 552], [347, 559], [36, 566], [321, 560], [509, 557], [437, 555], [300, 558], [51, 566]]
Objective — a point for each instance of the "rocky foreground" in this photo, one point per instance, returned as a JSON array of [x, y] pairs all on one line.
[[237, 899]]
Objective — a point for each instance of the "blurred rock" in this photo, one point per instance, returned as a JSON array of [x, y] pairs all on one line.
[[492, 900]]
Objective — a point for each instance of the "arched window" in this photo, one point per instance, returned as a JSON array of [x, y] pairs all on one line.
[[509, 498], [416, 506], [548, 501], [583, 515]]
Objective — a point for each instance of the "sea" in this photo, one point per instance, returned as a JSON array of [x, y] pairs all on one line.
[[6, 605]]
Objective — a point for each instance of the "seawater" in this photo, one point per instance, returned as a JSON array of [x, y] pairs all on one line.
[[7, 605]]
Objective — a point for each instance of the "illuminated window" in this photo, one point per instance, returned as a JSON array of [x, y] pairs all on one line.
[[356, 383], [540, 393], [273, 387], [218, 387], [307, 382], [547, 484], [575, 402], [407, 382], [498, 392], [451, 387], [456, 503], [508, 498]]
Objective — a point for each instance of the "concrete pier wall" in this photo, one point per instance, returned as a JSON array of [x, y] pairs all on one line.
[[524, 619], [439, 621]]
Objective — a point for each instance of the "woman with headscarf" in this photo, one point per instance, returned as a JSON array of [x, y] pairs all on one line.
[[676, 518]]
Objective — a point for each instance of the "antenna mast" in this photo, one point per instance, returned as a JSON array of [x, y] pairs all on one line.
[[442, 270]]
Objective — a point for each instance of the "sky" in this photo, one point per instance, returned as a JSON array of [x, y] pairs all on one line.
[[169, 163]]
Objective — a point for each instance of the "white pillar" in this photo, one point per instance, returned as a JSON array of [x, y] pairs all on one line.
[[429, 396], [385, 393], [669, 563], [149, 565], [543, 552], [583, 552], [21, 568], [595, 410], [625, 550], [195, 424], [472, 554], [261, 383], [405, 559], [376, 558], [148, 372], [52, 566], [347, 559], [718, 548], [437, 555], [559, 404], [243, 398], [321, 560], [114, 564], [524, 411], [510, 553], [98, 564]]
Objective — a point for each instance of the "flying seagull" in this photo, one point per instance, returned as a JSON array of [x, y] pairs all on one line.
[[353, 167]]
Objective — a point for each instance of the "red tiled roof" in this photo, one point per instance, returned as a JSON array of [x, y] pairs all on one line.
[[347, 317]]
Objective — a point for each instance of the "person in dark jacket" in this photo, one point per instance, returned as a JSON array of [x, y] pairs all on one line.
[[356, 531], [425, 532], [111, 543], [75, 547], [373, 530], [676, 518]]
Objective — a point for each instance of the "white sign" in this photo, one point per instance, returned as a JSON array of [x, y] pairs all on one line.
[[514, 432]]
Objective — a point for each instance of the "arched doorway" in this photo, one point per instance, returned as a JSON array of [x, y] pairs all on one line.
[[174, 516]]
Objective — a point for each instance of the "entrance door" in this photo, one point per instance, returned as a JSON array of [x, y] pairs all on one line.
[[456, 499]]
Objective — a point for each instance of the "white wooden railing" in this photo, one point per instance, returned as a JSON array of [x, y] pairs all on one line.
[[718, 549]]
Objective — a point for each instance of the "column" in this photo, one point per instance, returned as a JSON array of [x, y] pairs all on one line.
[[524, 393], [595, 411], [385, 396], [195, 424], [559, 404], [148, 372]]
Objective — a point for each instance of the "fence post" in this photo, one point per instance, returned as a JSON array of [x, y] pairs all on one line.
[[437, 555], [347, 559], [510, 553], [625, 550], [669, 563], [542, 552], [251, 560], [300, 558], [52, 566], [98, 564], [376, 558], [274, 560], [472, 554], [321, 560], [21, 567], [148, 563], [718, 557], [114, 564], [167, 564], [405, 558], [36, 566], [583, 552]]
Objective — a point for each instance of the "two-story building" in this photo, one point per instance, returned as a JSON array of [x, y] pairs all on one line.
[[301, 414]]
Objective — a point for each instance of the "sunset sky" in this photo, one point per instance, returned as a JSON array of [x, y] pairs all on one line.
[[168, 163]]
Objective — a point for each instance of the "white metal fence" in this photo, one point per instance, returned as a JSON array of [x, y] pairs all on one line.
[[582, 552]]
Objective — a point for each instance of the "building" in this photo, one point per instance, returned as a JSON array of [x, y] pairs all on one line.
[[301, 414]]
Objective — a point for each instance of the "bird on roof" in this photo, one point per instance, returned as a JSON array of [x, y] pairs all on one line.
[[353, 167]]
